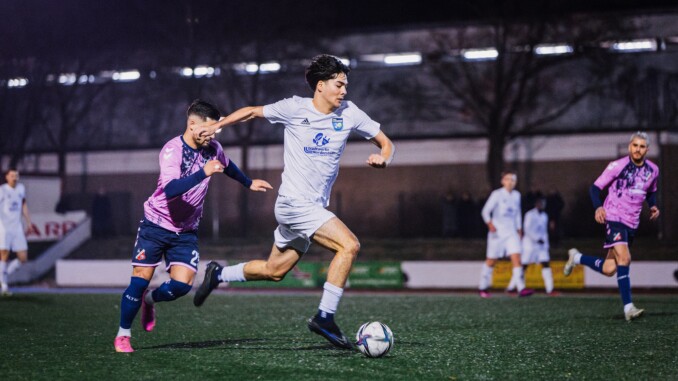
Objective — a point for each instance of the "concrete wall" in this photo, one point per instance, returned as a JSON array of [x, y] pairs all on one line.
[[405, 199]]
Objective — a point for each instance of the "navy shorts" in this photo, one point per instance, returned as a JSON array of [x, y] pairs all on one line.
[[153, 242], [617, 233]]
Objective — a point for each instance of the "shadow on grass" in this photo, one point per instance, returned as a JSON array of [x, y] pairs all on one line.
[[263, 345], [205, 344]]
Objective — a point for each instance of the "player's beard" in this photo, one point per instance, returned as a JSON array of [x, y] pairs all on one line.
[[637, 158]]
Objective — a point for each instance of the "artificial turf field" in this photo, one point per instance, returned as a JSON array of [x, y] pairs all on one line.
[[263, 336]]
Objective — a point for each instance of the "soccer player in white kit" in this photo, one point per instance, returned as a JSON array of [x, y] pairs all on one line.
[[316, 130], [501, 213], [536, 243], [12, 233]]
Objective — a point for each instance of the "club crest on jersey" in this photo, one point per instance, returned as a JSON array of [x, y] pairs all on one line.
[[320, 140], [338, 124], [617, 237], [141, 255]]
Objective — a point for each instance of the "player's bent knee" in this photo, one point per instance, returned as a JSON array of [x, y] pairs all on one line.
[[277, 277], [352, 247]]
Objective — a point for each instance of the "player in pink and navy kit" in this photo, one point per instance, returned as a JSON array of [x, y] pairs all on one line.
[[630, 180], [171, 218]]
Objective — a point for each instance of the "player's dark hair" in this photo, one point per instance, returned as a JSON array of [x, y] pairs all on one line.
[[324, 67], [10, 169], [204, 110], [508, 172]]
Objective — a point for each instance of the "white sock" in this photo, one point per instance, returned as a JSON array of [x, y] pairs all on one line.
[[235, 273], [3, 274], [485, 277], [13, 265], [627, 307], [124, 332], [511, 286], [577, 258], [518, 278], [547, 275], [148, 298], [330, 299]]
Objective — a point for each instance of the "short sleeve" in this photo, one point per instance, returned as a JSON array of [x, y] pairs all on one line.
[[170, 163], [364, 125], [653, 186], [281, 111], [221, 155], [610, 173]]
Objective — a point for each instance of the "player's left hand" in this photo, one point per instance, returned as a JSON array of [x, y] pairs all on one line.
[[376, 161], [260, 185], [654, 213]]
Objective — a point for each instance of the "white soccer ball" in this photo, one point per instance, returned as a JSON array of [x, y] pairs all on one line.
[[374, 339]]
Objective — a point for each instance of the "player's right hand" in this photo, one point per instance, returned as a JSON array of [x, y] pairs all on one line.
[[260, 185], [600, 215], [490, 227], [212, 167]]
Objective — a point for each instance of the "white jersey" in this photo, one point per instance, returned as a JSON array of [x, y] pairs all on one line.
[[11, 203], [314, 143], [536, 229], [503, 209]]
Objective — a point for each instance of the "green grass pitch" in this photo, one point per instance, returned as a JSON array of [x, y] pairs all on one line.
[[255, 336]]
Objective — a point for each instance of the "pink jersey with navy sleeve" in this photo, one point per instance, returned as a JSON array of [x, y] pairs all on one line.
[[629, 185], [178, 160]]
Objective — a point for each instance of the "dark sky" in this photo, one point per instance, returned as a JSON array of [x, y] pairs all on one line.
[[71, 27]]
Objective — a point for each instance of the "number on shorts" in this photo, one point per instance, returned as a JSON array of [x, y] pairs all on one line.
[[196, 257]]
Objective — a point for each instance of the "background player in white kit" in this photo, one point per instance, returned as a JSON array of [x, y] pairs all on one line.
[[316, 130], [536, 243], [501, 213], [12, 232]]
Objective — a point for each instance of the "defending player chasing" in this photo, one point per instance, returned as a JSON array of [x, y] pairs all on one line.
[[12, 233], [171, 217], [316, 130], [630, 180], [501, 213]]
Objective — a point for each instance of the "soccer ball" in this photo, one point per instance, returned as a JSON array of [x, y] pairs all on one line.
[[374, 339]]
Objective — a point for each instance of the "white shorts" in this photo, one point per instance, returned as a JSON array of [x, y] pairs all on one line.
[[533, 252], [298, 220], [13, 239], [501, 246]]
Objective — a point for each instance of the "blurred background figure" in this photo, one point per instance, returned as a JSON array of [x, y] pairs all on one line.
[[450, 215], [554, 207], [102, 223], [12, 232]]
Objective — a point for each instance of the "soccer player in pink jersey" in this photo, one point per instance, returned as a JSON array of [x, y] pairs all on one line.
[[630, 180], [171, 217]]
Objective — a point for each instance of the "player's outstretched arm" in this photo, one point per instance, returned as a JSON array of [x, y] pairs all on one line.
[[385, 157], [260, 185], [237, 116]]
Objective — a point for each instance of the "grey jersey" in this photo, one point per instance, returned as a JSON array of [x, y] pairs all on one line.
[[314, 143], [11, 203]]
